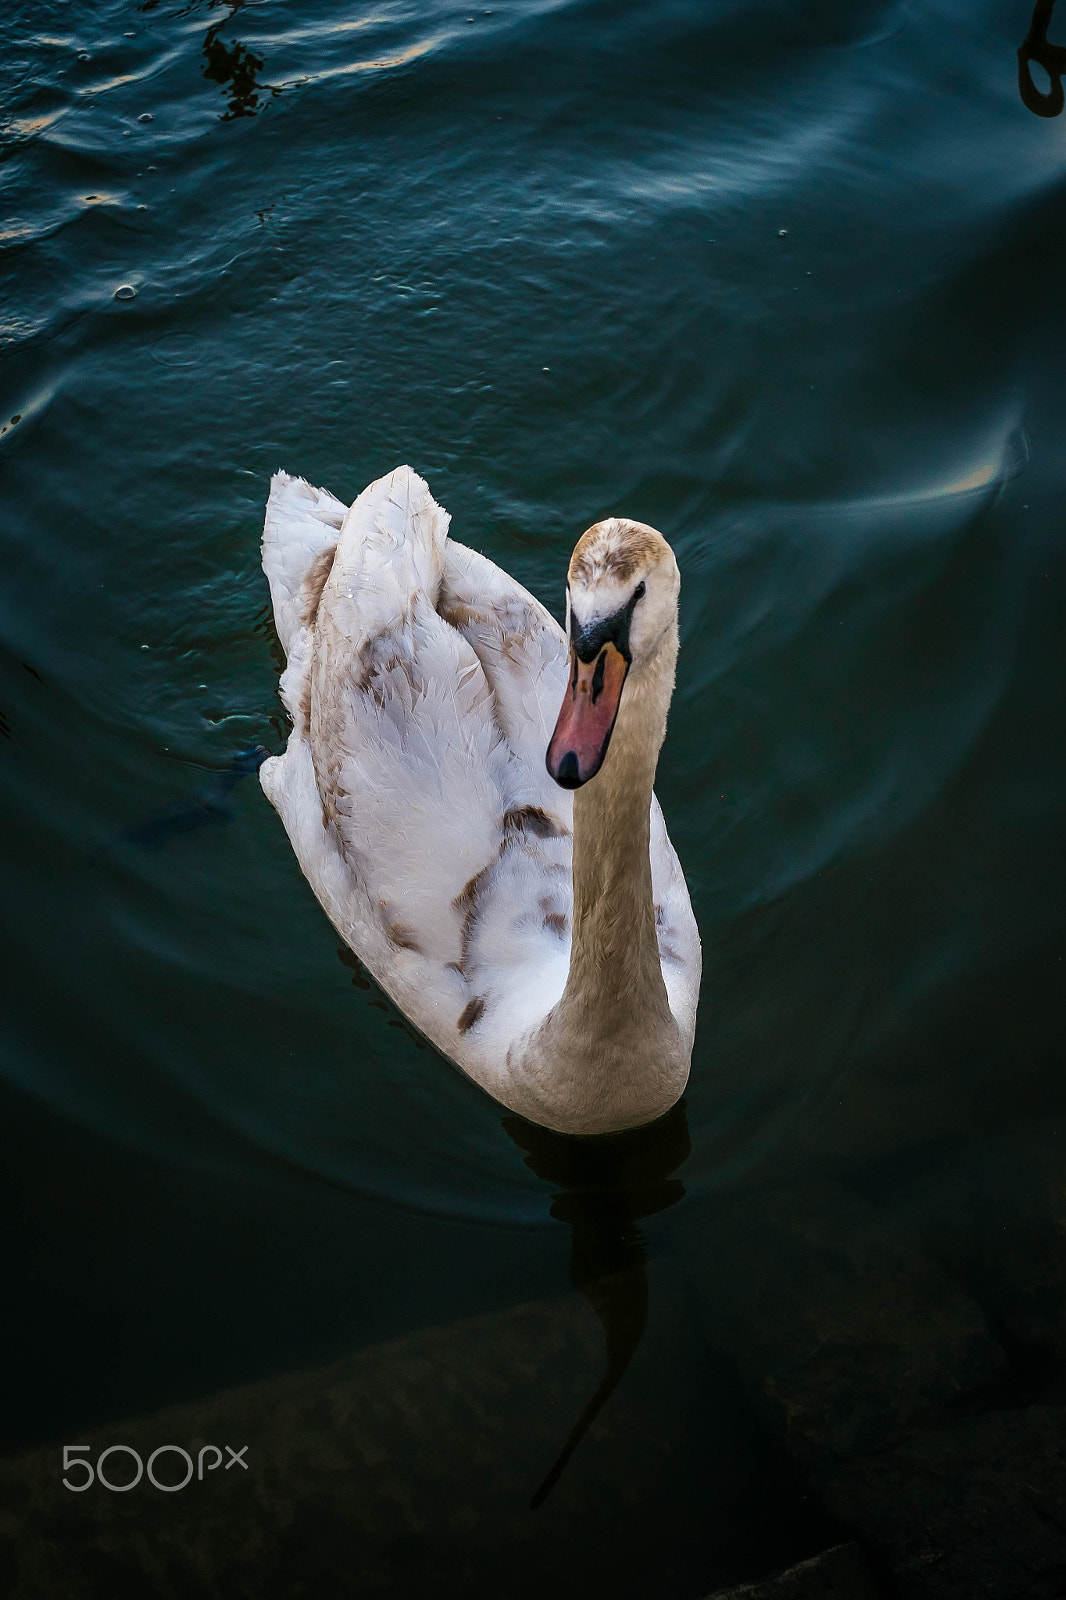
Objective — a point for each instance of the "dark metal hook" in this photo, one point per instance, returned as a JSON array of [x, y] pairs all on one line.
[[1052, 57]]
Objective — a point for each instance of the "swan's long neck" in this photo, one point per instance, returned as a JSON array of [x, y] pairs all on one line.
[[614, 960], [611, 1038]]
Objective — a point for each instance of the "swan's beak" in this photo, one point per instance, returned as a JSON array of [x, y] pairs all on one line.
[[587, 718]]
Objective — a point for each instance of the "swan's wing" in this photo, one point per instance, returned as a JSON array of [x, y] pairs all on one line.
[[299, 541], [410, 765], [523, 653], [518, 909], [675, 925], [302, 524]]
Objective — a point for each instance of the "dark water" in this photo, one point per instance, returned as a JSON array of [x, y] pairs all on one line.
[[786, 281]]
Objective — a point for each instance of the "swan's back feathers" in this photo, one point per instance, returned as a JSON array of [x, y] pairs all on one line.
[[522, 651]]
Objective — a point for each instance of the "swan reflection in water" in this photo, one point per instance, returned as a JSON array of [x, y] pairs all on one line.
[[607, 1185]]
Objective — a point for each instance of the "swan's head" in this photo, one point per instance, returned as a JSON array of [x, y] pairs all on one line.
[[621, 602]]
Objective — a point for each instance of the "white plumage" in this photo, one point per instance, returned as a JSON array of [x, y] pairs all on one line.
[[423, 684]]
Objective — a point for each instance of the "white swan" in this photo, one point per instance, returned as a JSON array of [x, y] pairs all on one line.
[[542, 940]]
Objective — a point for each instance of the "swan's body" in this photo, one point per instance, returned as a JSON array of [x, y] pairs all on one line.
[[423, 685]]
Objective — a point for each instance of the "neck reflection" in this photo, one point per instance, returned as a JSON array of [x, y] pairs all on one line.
[[608, 1184]]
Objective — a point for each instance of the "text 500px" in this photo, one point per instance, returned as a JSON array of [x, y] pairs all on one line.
[[85, 1474]]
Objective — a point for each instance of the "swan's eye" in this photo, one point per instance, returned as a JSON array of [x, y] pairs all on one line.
[[640, 591]]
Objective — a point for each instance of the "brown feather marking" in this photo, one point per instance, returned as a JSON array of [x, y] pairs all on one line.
[[501, 627], [556, 921], [615, 548], [535, 820], [456, 612], [472, 1012], [379, 655], [662, 937], [313, 584], [466, 902], [308, 601], [403, 937], [361, 668]]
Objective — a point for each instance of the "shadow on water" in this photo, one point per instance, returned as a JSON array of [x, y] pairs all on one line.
[[608, 1184], [207, 805], [1052, 57], [362, 979]]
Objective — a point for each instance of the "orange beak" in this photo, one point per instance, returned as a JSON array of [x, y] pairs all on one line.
[[587, 718]]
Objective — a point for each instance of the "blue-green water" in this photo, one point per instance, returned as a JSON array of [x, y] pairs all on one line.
[[786, 281]]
